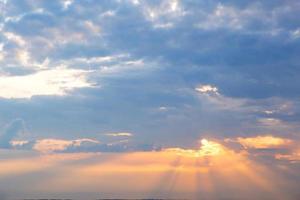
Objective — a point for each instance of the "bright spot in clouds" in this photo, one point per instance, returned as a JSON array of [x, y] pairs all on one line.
[[57, 81], [134, 84], [207, 89], [208, 148], [190, 173]]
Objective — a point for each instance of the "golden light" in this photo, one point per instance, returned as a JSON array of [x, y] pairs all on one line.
[[173, 172], [208, 148], [261, 142]]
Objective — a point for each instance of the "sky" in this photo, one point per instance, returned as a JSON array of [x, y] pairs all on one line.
[[184, 99]]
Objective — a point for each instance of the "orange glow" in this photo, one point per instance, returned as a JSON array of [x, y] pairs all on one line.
[[208, 148], [292, 157], [261, 142], [171, 173]]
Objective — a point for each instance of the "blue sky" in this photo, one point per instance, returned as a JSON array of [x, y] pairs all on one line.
[[134, 75]]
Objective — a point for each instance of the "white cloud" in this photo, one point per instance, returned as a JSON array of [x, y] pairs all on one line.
[[230, 17], [18, 143], [164, 14], [79, 142], [125, 134], [23, 57], [15, 38], [163, 108], [57, 81], [66, 4], [57, 36], [122, 66], [109, 13], [92, 27], [163, 25], [209, 94], [295, 34], [99, 59], [135, 2], [207, 89]]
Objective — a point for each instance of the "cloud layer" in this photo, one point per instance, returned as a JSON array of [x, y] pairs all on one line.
[[134, 75]]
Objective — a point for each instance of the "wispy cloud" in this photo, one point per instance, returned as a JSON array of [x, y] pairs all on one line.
[[126, 134]]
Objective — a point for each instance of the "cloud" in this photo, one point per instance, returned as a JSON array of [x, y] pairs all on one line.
[[210, 94], [176, 69], [293, 157], [207, 89], [15, 38], [49, 145], [229, 17], [126, 134], [53, 145], [162, 15], [208, 148], [58, 145], [264, 142], [189, 172], [66, 4], [92, 27], [295, 34], [18, 143], [57, 81]]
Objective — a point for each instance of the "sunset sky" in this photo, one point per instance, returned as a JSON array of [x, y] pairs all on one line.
[[186, 99]]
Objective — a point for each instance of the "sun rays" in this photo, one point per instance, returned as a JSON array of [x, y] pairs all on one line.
[[213, 171]]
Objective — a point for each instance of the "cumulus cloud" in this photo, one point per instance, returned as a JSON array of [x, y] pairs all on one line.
[[57, 81]]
